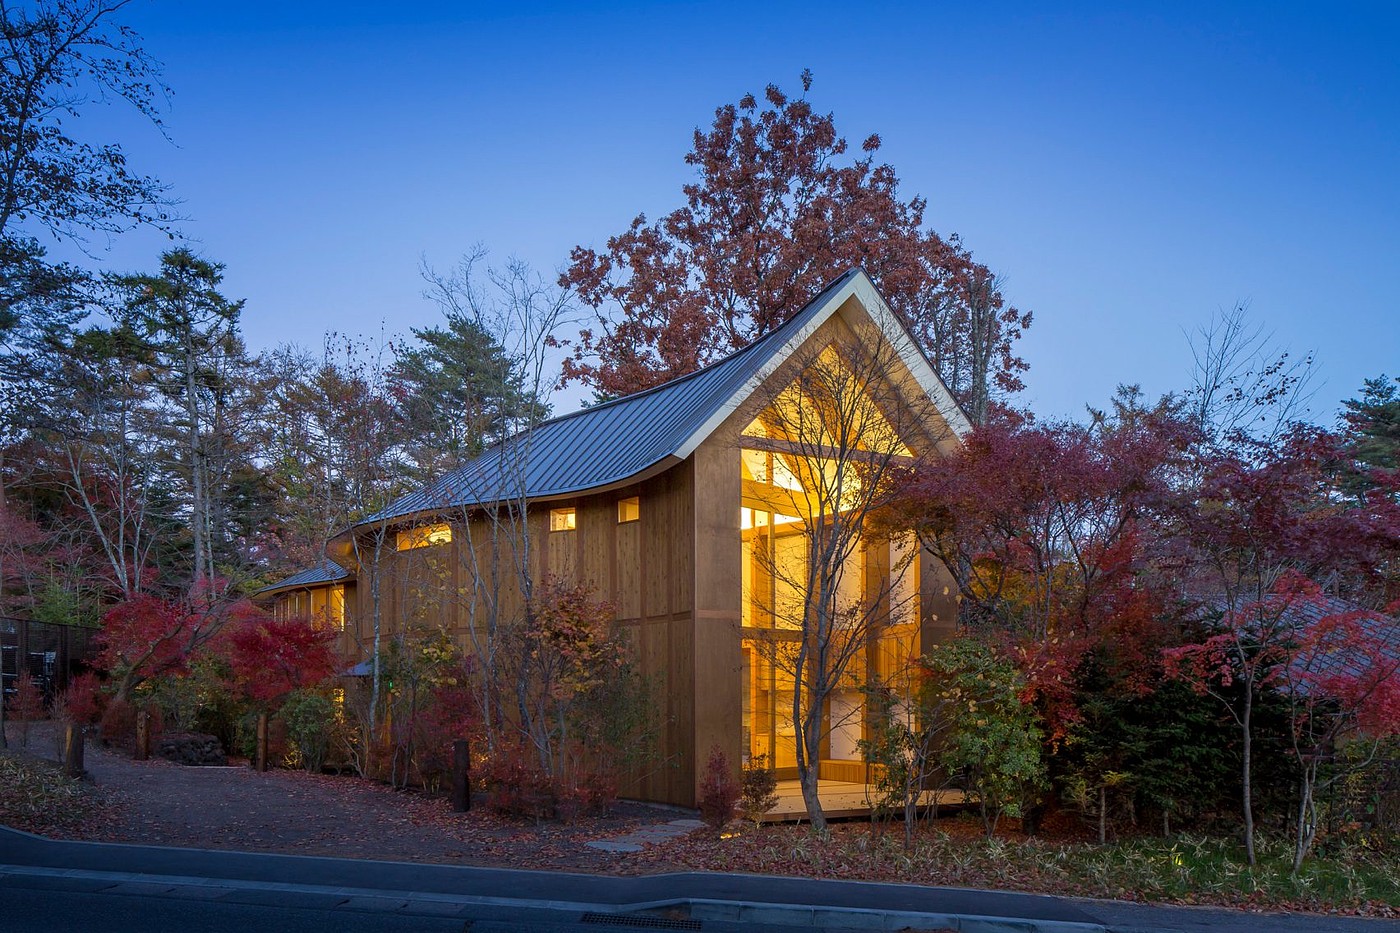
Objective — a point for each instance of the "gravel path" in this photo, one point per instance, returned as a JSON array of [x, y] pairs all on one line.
[[293, 812]]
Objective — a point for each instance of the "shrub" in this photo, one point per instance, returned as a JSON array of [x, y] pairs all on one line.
[[993, 739], [758, 793], [517, 786], [310, 718], [118, 725], [246, 735], [590, 794], [82, 701], [27, 705], [719, 791]]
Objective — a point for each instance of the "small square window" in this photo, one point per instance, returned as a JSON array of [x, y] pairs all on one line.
[[629, 510], [563, 519]]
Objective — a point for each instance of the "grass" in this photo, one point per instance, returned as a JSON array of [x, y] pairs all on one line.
[[1197, 869], [1183, 869], [36, 796]]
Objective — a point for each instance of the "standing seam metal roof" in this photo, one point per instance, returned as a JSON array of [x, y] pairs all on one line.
[[607, 443], [328, 571]]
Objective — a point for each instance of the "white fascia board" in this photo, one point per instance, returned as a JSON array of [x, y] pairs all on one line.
[[884, 318], [776, 359], [913, 358]]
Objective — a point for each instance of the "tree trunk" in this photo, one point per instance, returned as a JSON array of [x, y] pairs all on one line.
[[198, 507], [1307, 816], [808, 748], [1247, 735]]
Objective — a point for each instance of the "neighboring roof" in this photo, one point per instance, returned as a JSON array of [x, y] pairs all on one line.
[[327, 571], [1380, 632], [616, 441]]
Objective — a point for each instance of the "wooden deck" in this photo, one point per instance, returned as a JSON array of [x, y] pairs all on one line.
[[843, 799]]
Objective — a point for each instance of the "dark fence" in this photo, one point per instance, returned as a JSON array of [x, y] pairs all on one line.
[[51, 654]]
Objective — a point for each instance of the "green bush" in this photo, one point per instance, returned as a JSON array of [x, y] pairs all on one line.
[[992, 739], [310, 718]]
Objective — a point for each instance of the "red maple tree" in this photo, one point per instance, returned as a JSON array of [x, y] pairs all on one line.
[[779, 209], [149, 635], [269, 657], [1260, 531], [1049, 533]]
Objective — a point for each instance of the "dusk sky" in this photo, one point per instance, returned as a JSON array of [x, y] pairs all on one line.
[[1128, 172]]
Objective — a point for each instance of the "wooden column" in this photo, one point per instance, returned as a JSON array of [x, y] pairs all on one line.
[[718, 593], [73, 751], [260, 749], [143, 736], [461, 776]]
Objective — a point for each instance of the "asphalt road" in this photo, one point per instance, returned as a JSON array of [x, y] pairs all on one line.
[[48, 904], [53, 887]]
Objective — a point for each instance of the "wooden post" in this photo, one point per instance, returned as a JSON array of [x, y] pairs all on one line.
[[143, 735], [461, 776], [73, 751], [260, 752]]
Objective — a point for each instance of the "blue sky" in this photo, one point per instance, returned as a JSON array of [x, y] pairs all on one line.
[[1129, 169]]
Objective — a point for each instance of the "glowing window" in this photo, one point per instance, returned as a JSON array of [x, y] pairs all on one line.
[[563, 519], [424, 536], [629, 510]]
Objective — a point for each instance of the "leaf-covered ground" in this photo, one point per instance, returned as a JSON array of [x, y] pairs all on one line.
[[1181, 870], [36, 797], [158, 803]]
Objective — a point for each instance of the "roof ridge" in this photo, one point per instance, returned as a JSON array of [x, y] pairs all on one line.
[[708, 367], [712, 385]]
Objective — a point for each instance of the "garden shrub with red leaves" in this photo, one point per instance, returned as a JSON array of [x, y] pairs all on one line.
[[118, 724], [516, 786], [719, 790], [82, 700]]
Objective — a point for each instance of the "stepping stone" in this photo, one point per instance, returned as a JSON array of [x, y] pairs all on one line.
[[687, 824], [614, 845]]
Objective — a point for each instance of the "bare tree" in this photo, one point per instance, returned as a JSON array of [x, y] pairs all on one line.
[[57, 58], [1243, 384], [490, 499], [833, 440]]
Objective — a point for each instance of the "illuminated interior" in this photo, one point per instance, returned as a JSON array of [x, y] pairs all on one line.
[[323, 605], [629, 510], [782, 492], [424, 536], [563, 519]]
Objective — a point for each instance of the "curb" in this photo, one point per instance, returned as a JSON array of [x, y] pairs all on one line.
[[375, 900]]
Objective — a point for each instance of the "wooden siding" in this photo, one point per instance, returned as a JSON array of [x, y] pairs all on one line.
[[644, 568]]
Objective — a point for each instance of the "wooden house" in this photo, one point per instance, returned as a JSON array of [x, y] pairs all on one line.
[[324, 594], [681, 506]]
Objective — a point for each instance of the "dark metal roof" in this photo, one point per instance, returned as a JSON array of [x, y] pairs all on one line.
[[328, 571], [610, 442]]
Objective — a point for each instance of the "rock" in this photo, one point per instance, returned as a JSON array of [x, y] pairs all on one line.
[[190, 748]]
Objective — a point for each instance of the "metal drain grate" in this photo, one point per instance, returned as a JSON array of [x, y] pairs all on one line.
[[632, 920]]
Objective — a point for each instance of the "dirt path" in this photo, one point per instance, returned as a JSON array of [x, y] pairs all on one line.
[[293, 812]]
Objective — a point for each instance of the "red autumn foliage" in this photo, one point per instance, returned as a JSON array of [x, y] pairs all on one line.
[[778, 210], [1050, 533], [147, 636], [83, 698], [118, 723], [719, 790], [269, 657]]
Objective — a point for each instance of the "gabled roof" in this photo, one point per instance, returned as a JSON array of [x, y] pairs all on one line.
[[618, 441], [327, 571]]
